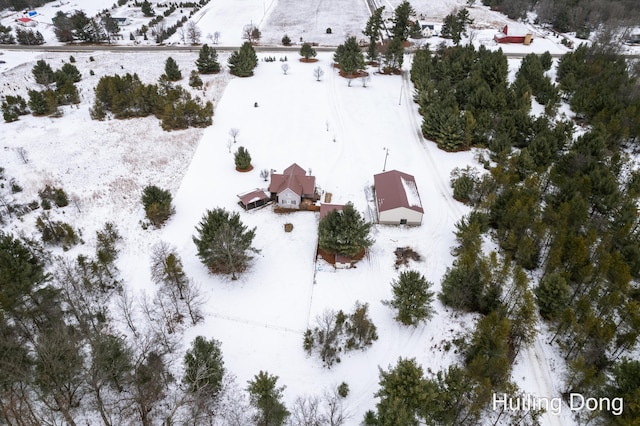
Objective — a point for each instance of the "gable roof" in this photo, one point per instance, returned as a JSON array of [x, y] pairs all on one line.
[[395, 189], [253, 196], [294, 178]]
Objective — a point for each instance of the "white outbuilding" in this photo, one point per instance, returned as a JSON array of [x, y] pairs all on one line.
[[397, 199]]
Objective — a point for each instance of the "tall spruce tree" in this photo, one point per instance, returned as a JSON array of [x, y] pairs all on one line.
[[171, 70], [372, 30], [401, 21], [224, 242], [344, 232], [243, 62], [207, 62], [350, 57], [43, 73], [204, 367], [242, 158]]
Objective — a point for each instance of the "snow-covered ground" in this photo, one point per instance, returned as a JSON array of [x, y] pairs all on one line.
[[341, 133]]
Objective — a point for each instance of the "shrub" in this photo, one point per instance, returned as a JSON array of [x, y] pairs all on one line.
[[286, 41], [328, 31], [194, 80], [157, 204], [56, 232], [343, 389], [55, 195], [72, 59], [242, 158]]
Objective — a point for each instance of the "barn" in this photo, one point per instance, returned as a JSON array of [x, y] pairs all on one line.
[[397, 199]]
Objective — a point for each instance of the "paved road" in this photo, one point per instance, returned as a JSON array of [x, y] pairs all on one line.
[[196, 48]]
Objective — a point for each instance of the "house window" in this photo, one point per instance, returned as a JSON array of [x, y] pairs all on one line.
[[403, 221]]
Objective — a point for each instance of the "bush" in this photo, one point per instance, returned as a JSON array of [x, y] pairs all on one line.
[[343, 389], [157, 204], [328, 31], [56, 232], [194, 80], [13, 107], [55, 195], [72, 59], [286, 41]]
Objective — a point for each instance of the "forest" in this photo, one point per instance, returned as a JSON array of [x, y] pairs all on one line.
[[559, 201]]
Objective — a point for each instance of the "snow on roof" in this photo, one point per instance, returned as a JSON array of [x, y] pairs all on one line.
[[396, 189], [411, 191]]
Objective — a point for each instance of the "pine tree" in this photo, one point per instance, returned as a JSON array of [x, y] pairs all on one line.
[[307, 51], [223, 242], [42, 103], [146, 9], [394, 55], [412, 298], [351, 58], [242, 63], [242, 158], [157, 204], [43, 73], [204, 368], [266, 397], [552, 295], [286, 40], [344, 232], [171, 70], [207, 62], [403, 393], [5, 35], [401, 21], [194, 80], [13, 107], [372, 30]]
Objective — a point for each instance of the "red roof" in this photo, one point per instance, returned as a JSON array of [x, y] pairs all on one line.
[[253, 196], [25, 20], [395, 189], [325, 209], [294, 178]]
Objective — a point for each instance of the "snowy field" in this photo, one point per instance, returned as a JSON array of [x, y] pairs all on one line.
[[341, 133]]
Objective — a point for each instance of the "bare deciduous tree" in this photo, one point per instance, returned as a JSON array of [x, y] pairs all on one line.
[[22, 153], [318, 73], [264, 174], [306, 411], [216, 37], [193, 32], [251, 33], [285, 68], [364, 79], [229, 145], [233, 132]]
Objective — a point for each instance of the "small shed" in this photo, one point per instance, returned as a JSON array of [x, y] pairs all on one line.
[[525, 37], [26, 22], [343, 261], [397, 199], [253, 199], [325, 209]]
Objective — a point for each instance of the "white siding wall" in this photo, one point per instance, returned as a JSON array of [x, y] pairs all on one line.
[[394, 216], [288, 199]]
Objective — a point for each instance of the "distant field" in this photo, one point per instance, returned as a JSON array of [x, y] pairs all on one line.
[[344, 17]]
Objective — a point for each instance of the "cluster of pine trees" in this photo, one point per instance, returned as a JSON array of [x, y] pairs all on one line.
[[562, 210], [126, 96]]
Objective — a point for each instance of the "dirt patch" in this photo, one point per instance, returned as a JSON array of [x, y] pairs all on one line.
[[357, 74], [288, 227], [248, 169], [308, 60]]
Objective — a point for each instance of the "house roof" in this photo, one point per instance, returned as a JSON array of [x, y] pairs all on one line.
[[294, 178], [25, 20], [253, 196], [325, 209], [396, 189]]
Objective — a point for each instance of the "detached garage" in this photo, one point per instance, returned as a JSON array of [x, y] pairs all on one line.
[[397, 199]]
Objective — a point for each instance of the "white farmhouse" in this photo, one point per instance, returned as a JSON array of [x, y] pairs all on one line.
[[397, 199]]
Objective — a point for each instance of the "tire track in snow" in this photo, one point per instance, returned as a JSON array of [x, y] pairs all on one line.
[[256, 323], [536, 360]]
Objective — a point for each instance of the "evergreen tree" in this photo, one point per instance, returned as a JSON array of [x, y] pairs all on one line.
[[223, 242], [204, 368], [344, 232], [42, 102], [412, 298], [552, 295], [146, 9], [242, 158], [394, 55], [68, 72], [171, 70], [402, 21], [5, 35], [372, 30], [286, 40], [43, 73], [242, 63], [194, 80], [266, 398], [306, 51], [489, 355], [350, 57], [625, 384], [13, 107], [29, 37], [207, 62], [157, 204], [403, 393]]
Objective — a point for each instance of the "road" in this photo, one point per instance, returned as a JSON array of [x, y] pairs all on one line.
[[196, 48]]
